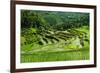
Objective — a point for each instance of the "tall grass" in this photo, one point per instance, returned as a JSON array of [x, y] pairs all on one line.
[[82, 54]]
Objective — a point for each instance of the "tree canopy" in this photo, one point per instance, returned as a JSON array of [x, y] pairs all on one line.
[[52, 20]]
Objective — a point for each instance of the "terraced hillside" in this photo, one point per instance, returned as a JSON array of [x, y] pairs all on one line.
[[54, 36], [72, 43]]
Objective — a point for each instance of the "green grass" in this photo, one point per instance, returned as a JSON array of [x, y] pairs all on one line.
[[82, 54]]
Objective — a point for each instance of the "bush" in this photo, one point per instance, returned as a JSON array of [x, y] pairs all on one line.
[[23, 40], [30, 35]]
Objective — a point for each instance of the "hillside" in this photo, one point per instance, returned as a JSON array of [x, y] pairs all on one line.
[[54, 36]]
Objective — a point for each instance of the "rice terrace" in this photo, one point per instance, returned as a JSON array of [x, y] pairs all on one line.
[[54, 36]]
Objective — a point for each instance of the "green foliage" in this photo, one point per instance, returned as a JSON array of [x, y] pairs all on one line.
[[55, 56], [53, 20], [23, 40], [59, 34], [30, 35], [31, 19]]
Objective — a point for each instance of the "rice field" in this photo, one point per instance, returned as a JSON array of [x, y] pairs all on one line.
[[82, 54], [61, 46]]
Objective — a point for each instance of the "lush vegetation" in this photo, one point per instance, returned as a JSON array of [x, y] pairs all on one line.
[[54, 36]]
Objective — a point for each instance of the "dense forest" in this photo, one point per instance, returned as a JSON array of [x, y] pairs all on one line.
[[52, 31]]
